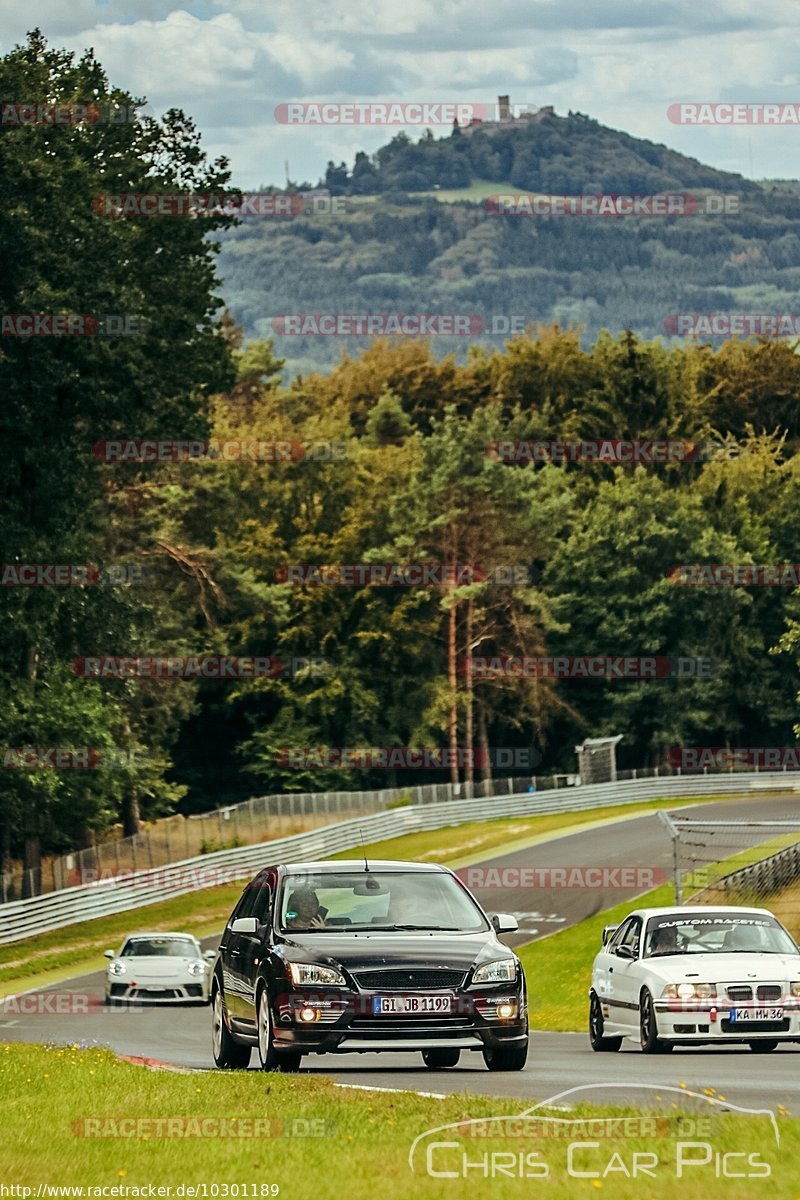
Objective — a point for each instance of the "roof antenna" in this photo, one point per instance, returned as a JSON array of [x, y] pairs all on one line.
[[372, 884]]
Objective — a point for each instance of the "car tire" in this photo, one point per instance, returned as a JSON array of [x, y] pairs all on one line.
[[597, 1039], [763, 1046], [270, 1058], [648, 1030], [506, 1058], [435, 1060], [228, 1054]]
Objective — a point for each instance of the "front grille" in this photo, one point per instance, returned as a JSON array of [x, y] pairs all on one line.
[[769, 991], [413, 978], [742, 1028], [413, 1020], [118, 989], [744, 992], [194, 989], [155, 994]]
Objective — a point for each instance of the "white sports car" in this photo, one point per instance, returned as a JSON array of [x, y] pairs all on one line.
[[159, 967], [698, 974]]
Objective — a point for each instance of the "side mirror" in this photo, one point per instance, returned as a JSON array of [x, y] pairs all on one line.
[[109, 954], [245, 925], [504, 923], [608, 933], [625, 952], [209, 954]]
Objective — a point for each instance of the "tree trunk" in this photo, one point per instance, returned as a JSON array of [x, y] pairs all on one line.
[[452, 675], [483, 743], [468, 719], [131, 819]]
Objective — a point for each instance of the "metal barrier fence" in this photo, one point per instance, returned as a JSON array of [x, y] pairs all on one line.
[[174, 839], [177, 838], [22, 918]]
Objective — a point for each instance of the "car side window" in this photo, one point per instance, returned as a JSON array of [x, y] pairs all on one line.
[[619, 934], [261, 905], [632, 935], [243, 907]]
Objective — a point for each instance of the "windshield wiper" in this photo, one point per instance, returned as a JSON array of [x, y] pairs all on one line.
[[434, 929]]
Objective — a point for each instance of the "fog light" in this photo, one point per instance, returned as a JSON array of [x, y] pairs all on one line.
[[504, 1011], [307, 1013]]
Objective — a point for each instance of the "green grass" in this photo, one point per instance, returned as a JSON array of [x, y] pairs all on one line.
[[478, 190], [77, 949], [362, 1143]]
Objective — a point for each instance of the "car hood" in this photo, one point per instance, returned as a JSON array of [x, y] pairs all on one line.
[[372, 951], [724, 968], [145, 967]]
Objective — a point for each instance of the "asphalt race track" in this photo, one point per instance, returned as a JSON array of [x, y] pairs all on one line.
[[557, 1061]]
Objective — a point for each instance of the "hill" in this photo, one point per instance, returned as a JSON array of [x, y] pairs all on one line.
[[416, 237]]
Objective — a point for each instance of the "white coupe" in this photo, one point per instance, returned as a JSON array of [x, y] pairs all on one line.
[[669, 976], [158, 967]]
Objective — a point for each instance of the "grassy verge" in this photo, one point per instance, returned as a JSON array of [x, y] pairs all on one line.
[[60, 1108], [77, 949]]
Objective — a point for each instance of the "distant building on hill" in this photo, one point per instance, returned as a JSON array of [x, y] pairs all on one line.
[[508, 115]]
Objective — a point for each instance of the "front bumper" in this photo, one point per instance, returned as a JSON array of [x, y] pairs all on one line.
[[194, 991], [344, 1022], [711, 1022]]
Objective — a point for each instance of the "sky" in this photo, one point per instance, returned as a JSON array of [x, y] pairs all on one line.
[[229, 63]]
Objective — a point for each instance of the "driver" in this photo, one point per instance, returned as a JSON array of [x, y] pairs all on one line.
[[665, 940], [303, 910]]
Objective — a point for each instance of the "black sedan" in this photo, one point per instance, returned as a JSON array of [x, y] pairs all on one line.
[[350, 957]]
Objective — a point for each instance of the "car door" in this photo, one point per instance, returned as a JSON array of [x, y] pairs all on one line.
[[624, 972], [232, 972], [252, 947]]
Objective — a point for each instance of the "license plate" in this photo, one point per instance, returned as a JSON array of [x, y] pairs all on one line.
[[756, 1014], [412, 1004]]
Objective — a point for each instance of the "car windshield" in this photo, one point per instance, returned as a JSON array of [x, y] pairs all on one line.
[[392, 901], [716, 933], [159, 948]]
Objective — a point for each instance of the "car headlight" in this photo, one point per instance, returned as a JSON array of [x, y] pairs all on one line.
[[196, 968], [502, 970], [795, 988], [117, 968], [691, 991], [303, 974]]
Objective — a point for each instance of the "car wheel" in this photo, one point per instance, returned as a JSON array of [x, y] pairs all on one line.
[[651, 1042], [597, 1039], [228, 1054], [763, 1046], [506, 1058], [436, 1059], [270, 1058]]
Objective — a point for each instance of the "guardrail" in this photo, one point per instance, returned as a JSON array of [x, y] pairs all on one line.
[[764, 877], [22, 918]]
